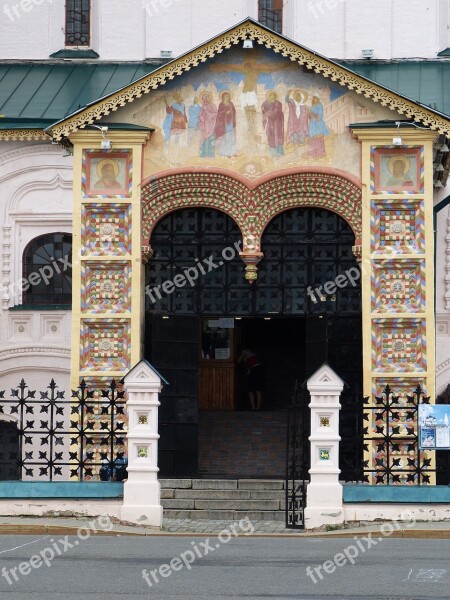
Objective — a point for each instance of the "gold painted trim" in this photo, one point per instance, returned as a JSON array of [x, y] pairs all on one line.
[[24, 135], [252, 30]]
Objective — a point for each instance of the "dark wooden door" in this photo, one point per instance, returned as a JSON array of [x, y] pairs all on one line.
[[172, 347]]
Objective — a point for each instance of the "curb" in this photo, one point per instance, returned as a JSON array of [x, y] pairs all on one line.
[[26, 529]]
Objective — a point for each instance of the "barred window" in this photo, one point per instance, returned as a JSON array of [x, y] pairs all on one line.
[[271, 14], [47, 270], [78, 22]]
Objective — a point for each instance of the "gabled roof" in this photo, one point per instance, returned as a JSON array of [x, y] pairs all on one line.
[[250, 29]]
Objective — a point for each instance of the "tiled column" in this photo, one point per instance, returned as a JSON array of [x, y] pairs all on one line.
[[398, 281], [107, 271]]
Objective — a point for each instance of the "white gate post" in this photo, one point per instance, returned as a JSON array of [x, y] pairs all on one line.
[[324, 502], [142, 491]]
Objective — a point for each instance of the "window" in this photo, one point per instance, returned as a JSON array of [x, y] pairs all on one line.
[[47, 269], [271, 14], [78, 22]]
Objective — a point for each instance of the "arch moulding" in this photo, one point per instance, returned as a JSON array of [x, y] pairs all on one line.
[[252, 205]]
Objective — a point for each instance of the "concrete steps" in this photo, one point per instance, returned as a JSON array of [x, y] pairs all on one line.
[[223, 499]]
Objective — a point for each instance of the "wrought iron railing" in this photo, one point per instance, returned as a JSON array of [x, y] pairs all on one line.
[[54, 438], [391, 440], [297, 458]]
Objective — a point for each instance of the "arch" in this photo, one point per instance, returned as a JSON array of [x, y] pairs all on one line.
[[251, 205], [194, 189], [49, 256]]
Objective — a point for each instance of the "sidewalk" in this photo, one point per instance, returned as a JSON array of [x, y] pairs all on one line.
[[185, 527]]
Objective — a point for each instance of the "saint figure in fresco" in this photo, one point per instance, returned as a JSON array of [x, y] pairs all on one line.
[[107, 170], [225, 129], [273, 122], [194, 114], [207, 123], [175, 123], [317, 130], [400, 167], [298, 121], [251, 70]]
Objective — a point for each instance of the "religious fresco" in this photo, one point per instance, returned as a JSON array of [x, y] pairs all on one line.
[[106, 173], [254, 112], [398, 170]]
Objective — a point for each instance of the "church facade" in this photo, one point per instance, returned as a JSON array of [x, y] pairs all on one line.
[[250, 194]]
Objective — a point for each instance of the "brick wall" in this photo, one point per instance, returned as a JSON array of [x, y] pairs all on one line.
[[242, 444]]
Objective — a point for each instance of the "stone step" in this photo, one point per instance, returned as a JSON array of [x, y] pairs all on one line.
[[225, 494], [260, 484], [243, 505], [224, 515]]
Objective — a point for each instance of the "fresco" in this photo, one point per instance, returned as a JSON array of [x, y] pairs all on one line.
[[254, 112]]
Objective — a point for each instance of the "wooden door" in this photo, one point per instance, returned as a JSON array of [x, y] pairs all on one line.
[[217, 365]]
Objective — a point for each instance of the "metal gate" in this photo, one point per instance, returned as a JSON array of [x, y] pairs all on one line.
[[297, 457]]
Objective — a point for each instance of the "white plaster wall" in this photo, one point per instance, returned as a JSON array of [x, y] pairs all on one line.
[[35, 198], [442, 288], [138, 29]]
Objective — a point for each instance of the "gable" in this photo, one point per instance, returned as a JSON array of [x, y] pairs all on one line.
[[263, 37], [253, 112]]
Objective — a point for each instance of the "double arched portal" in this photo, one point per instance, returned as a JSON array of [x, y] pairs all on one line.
[[207, 236]]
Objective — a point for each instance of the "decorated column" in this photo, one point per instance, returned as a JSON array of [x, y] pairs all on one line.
[[107, 264], [398, 293], [324, 503]]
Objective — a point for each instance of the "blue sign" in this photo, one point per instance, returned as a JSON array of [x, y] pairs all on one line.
[[434, 426]]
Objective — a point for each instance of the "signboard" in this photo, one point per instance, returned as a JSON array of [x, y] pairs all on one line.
[[434, 426]]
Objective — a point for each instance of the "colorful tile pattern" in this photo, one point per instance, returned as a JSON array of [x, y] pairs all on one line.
[[106, 286], [397, 227], [105, 345], [398, 286], [399, 345], [106, 229]]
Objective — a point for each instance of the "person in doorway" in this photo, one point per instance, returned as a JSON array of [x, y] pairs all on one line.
[[254, 376]]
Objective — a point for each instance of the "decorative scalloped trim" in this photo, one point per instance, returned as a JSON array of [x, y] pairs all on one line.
[[23, 135], [268, 39]]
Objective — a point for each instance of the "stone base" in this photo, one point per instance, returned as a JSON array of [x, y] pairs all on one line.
[[324, 505], [318, 517], [142, 503], [143, 515]]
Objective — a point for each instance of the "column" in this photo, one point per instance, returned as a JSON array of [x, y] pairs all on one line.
[[324, 501], [398, 287], [142, 492]]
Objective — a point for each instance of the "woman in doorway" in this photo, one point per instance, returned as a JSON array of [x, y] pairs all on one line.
[[254, 376]]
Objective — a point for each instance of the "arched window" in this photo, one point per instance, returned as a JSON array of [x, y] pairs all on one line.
[[47, 270]]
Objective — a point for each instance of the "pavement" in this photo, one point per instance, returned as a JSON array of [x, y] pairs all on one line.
[[186, 527], [222, 568]]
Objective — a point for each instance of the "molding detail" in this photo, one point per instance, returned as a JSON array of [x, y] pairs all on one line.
[[264, 37], [23, 135], [252, 210]]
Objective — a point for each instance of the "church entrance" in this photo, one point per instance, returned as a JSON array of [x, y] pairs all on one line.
[[289, 318]]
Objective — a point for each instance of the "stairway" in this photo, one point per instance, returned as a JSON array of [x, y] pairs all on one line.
[[223, 499]]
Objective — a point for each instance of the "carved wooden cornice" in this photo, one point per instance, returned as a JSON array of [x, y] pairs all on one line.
[[23, 135], [251, 30]]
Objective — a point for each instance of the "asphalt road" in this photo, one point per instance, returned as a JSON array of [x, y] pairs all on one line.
[[110, 568]]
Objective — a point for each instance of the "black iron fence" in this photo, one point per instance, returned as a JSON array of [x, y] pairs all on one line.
[[53, 438], [297, 457], [392, 454]]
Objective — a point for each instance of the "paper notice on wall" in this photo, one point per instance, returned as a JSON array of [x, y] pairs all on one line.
[[226, 323]]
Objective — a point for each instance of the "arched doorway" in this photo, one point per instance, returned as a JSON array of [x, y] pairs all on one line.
[[195, 331], [9, 452]]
